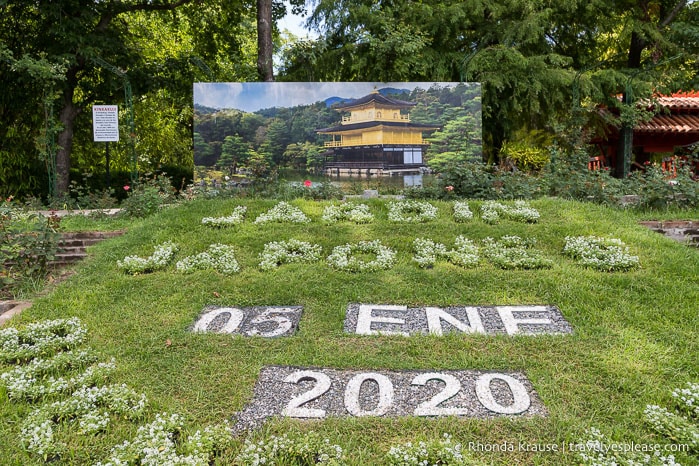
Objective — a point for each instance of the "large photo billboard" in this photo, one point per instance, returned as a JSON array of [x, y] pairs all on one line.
[[336, 129]]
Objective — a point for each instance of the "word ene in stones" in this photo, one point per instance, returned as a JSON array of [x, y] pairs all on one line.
[[387, 319], [317, 393], [268, 321]]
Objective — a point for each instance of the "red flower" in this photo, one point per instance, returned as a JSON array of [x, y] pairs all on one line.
[[127, 187], [449, 188], [307, 183]]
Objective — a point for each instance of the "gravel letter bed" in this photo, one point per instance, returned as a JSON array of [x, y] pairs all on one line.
[[264, 321], [376, 319], [317, 393]]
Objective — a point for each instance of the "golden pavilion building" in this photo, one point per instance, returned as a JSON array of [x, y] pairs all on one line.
[[377, 137]]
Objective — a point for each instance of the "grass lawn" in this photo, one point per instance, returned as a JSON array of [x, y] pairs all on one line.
[[636, 333]]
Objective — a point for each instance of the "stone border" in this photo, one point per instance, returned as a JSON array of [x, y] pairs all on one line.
[[391, 319], [9, 309], [319, 393], [684, 231]]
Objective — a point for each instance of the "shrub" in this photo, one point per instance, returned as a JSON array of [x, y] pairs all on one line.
[[28, 243], [147, 196], [526, 157]]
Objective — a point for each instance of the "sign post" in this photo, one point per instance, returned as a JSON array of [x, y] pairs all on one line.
[[105, 128]]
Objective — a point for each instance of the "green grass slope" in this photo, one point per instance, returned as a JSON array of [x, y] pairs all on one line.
[[636, 334]]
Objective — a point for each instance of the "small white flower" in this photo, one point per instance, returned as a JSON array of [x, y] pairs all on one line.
[[283, 212], [411, 211], [161, 257], [342, 257]]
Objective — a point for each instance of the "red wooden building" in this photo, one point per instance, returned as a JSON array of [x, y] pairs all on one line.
[[673, 128]]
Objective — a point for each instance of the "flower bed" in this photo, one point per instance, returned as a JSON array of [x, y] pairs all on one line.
[[343, 258], [219, 257], [161, 257], [606, 254], [283, 212], [411, 211], [514, 252], [491, 211], [357, 213], [284, 252], [48, 367], [427, 252], [462, 212], [235, 218]]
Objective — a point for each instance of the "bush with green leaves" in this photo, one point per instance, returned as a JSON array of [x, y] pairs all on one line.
[[656, 189], [28, 243], [525, 156], [147, 196]]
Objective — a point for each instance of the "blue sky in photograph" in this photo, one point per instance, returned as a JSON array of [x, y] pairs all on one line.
[[251, 97]]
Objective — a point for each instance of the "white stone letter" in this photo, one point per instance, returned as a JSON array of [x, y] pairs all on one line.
[[352, 392], [512, 323], [365, 319], [436, 315], [519, 393], [236, 317]]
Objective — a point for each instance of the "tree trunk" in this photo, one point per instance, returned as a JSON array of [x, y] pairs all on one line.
[[635, 50], [265, 68], [67, 117]]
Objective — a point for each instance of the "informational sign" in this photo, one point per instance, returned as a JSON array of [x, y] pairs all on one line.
[[105, 123]]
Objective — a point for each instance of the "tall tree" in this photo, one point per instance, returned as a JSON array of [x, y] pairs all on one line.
[[73, 32], [265, 46], [529, 55]]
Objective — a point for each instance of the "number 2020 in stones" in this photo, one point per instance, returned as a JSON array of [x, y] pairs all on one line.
[[316, 393]]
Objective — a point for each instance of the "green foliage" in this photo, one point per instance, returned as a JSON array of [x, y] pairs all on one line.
[[656, 190], [28, 242], [148, 196], [607, 371], [234, 152], [524, 156]]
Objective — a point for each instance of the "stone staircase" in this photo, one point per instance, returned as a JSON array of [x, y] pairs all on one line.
[[683, 231], [72, 247]]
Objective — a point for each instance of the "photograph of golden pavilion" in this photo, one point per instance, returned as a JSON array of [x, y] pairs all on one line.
[[376, 138]]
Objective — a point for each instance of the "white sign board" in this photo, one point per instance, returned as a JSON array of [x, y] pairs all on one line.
[[105, 123]]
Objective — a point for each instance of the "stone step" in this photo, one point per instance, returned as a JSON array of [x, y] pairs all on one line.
[[8, 309], [680, 230], [72, 247]]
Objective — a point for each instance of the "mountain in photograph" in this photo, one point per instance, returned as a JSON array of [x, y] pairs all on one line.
[[330, 101]]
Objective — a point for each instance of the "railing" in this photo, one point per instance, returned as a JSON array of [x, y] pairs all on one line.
[[356, 165], [375, 165], [402, 118], [393, 141]]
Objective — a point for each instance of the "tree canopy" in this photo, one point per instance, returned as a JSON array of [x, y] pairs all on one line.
[[542, 64]]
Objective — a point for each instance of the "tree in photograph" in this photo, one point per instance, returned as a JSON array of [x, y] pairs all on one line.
[[259, 166], [203, 153], [234, 152], [458, 142]]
